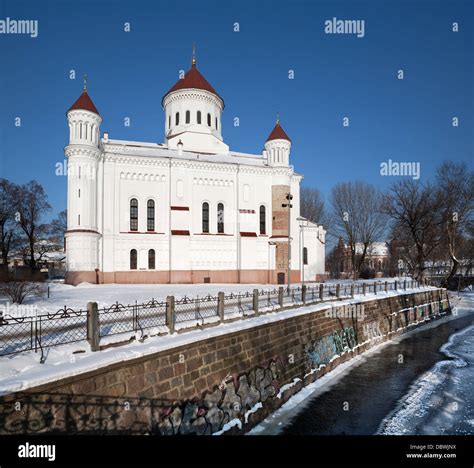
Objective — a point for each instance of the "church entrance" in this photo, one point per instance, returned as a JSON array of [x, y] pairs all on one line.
[[281, 278]]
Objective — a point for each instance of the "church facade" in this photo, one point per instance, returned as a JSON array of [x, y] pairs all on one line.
[[189, 210]]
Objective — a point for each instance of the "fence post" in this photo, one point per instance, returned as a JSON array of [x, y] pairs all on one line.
[[364, 286], [352, 290], [375, 287], [93, 326], [321, 291], [405, 284], [386, 286], [338, 290], [255, 301], [220, 306], [170, 313], [281, 290], [303, 293], [396, 285]]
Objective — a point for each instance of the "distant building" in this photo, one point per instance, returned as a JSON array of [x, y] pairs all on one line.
[[50, 261], [376, 265], [189, 210]]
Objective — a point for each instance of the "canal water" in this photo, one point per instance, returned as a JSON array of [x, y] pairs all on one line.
[[420, 384]]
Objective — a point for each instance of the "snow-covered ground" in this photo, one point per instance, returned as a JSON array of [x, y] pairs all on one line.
[[22, 370], [77, 297]]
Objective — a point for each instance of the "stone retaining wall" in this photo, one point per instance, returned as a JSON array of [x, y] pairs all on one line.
[[225, 383]]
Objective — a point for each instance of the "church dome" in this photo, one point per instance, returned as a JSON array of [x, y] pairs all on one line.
[[193, 80], [278, 133]]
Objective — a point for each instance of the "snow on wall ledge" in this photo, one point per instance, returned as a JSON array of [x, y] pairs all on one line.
[[214, 381]]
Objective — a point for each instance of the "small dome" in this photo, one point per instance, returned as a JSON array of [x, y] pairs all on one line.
[[84, 102], [278, 133]]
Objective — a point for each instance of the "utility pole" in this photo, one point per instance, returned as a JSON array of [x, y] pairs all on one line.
[[288, 205]]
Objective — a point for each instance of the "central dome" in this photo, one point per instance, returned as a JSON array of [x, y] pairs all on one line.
[[193, 80]]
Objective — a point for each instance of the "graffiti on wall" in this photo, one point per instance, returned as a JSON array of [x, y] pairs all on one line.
[[324, 349], [57, 413]]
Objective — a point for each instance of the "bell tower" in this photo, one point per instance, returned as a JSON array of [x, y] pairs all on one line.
[[277, 146], [83, 153]]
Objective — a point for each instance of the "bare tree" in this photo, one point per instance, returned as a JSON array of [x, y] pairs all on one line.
[[312, 205], [357, 217], [58, 227], [8, 223], [455, 186], [32, 204], [17, 291], [413, 209]]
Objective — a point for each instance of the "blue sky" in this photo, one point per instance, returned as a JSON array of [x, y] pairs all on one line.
[[335, 76]]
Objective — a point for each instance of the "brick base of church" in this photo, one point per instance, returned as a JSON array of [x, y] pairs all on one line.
[[183, 277]]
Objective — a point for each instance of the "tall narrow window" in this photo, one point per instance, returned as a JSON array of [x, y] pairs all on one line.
[[198, 117], [208, 120], [133, 214], [263, 223], [151, 259], [133, 259], [216, 124], [177, 118], [169, 122], [220, 218], [150, 218], [305, 255], [205, 217], [188, 117]]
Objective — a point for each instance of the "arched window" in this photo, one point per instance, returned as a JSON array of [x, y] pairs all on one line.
[[188, 117], [177, 118], [133, 259], [208, 120], [305, 255], [150, 215], [263, 223], [198, 117], [151, 259], [133, 214], [220, 218], [205, 217]]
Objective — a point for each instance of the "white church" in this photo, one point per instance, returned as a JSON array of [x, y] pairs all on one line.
[[189, 210]]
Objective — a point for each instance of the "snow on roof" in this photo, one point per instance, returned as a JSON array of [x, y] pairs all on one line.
[[161, 150], [376, 248]]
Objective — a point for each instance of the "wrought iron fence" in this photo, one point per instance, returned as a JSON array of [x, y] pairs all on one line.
[[268, 300], [19, 334], [198, 309], [238, 305]]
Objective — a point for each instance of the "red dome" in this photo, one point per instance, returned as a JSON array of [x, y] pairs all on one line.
[[193, 79], [84, 102], [278, 134]]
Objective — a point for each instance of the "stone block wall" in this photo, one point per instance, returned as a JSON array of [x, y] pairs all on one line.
[[224, 383]]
